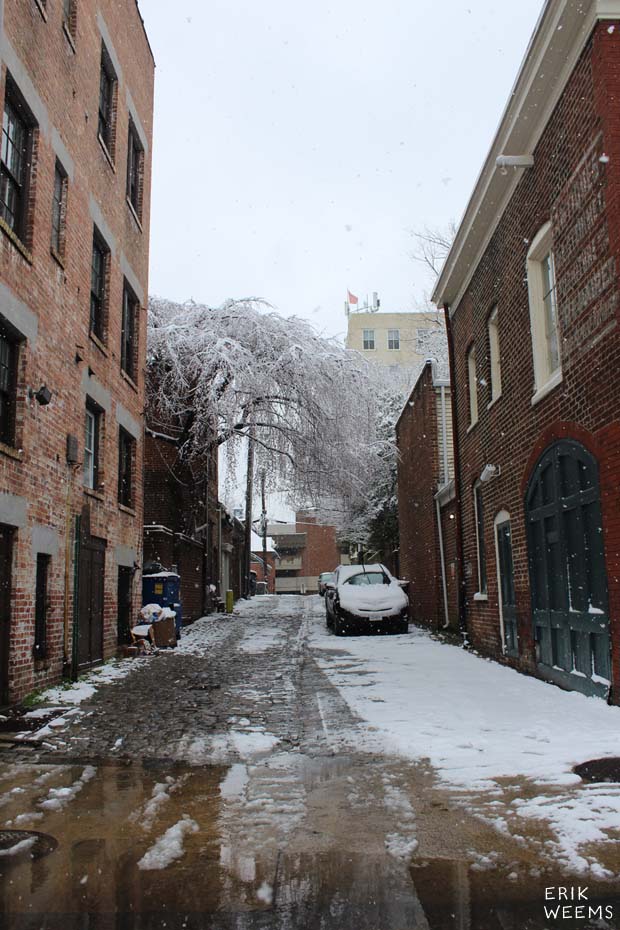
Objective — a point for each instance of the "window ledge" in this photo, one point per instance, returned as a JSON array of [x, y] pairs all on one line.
[[129, 380], [69, 37], [555, 379], [472, 426], [57, 257], [492, 403], [41, 9], [479, 596], [98, 343], [128, 510], [98, 495], [134, 213], [11, 452], [17, 242], [106, 152]]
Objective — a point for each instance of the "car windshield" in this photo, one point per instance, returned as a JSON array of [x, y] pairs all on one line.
[[326, 576], [368, 578]]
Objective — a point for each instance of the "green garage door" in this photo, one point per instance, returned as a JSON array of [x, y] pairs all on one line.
[[567, 569]]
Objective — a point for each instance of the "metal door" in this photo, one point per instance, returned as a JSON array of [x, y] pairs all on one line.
[[567, 569], [90, 610], [6, 561], [507, 588]]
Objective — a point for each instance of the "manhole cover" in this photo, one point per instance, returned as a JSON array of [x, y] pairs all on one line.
[[19, 844], [599, 769]]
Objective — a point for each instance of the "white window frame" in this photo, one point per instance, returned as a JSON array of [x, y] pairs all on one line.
[[494, 355], [472, 386], [392, 338], [482, 592], [369, 339], [545, 378], [502, 517], [90, 448]]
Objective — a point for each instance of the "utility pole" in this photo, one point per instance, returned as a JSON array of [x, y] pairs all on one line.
[[263, 518], [248, 514]]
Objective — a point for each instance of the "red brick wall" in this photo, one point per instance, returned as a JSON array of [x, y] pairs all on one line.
[[418, 478], [66, 82], [580, 195], [321, 553]]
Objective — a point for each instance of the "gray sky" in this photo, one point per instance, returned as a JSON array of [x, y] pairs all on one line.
[[296, 148]]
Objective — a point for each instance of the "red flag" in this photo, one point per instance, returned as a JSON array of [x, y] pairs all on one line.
[[352, 298]]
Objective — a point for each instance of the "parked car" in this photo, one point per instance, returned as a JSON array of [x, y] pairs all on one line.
[[324, 577], [366, 599]]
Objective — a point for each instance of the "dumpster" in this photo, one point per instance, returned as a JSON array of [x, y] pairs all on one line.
[[164, 588]]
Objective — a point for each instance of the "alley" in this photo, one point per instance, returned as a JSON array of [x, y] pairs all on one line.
[[265, 774]]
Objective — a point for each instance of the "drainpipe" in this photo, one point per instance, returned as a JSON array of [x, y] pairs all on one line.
[[457, 477], [444, 435], [442, 556]]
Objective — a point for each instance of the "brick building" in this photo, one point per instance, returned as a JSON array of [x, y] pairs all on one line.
[[306, 548], [531, 290], [76, 85], [426, 501]]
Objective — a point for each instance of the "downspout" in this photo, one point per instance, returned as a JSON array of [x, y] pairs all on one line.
[[442, 554], [457, 474]]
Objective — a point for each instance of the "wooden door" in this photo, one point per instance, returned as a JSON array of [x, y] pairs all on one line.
[[567, 569], [91, 597], [6, 562]]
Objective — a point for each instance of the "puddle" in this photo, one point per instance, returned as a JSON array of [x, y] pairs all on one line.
[[456, 896]]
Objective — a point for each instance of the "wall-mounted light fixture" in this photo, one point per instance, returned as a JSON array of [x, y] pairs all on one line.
[[42, 396], [489, 472]]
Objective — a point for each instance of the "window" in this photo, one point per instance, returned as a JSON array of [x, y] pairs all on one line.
[[69, 17], [393, 339], [15, 162], [369, 338], [59, 210], [126, 447], [481, 551], [129, 341], [41, 606], [494, 356], [544, 311], [92, 438], [473, 386], [8, 387], [107, 102], [135, 169], [98, 287]]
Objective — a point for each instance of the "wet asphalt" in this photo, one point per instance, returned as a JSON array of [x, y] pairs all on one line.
[[239, 750]]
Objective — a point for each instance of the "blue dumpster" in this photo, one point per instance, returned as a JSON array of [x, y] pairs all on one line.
[[164, 588]]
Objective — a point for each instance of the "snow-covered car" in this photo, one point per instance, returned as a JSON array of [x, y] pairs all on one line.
[[324, 577], [366, 599]]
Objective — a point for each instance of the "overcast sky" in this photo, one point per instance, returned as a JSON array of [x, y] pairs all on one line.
[[297, 147]]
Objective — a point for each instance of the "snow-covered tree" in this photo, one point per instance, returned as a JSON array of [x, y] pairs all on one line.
[[241, 372]]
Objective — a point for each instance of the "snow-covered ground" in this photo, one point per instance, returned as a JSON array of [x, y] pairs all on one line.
[[478, 722]]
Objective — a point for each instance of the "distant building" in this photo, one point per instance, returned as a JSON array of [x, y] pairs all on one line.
[[306, 548], [401, 342], [265, 568]]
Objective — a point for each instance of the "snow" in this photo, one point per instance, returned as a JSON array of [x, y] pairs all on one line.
[[169, 847], [58, 798], [21, 847], [86, 687], [235, 783]]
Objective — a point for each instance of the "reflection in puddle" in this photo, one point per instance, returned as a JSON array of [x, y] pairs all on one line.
[[456, 897]]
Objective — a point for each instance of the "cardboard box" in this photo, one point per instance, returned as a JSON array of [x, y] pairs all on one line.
[[164, 632]]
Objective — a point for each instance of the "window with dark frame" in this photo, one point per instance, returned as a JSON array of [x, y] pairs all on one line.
[[98, 287], [59, 209], [107, 89], [8, 387], [129, 328], [393, 339], [368, 339], [15, 161], [92, 440], [135, 168], [126, 447], [41, 606]]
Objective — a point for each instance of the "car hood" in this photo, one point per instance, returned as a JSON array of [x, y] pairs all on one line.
[[364, 598]]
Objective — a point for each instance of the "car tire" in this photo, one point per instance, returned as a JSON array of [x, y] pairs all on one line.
[[328, 620], [339, 627], [403, 626]]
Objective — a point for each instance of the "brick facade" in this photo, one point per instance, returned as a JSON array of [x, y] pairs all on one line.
[[420, 475], [575, 184], [53, 73]]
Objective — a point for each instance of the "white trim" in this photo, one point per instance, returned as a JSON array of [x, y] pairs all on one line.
[[479, 596], [556, 378], [495, 359], [539, 250], [472, 386], [561, 34]]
